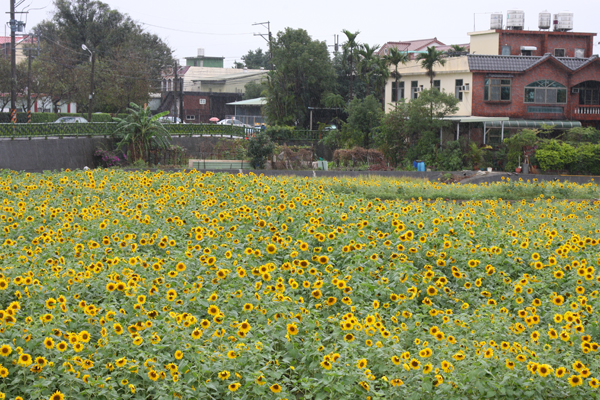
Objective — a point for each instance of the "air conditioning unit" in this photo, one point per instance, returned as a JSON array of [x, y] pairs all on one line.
[[419, 89], [465, 88], [575, 90]]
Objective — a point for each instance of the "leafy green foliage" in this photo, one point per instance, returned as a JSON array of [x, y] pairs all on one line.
[[303, 72], [554, 155], [450, 158], [364, 117], [141, 131], [129, 61], [392, 137], [256, 59], [260, 147], [430, 59], [253, 89], [515, 146]]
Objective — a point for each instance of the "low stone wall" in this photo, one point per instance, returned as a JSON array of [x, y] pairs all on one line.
[[39, 154]]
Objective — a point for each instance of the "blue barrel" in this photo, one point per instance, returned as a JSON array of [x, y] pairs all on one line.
[[421, 166], [415, 164]]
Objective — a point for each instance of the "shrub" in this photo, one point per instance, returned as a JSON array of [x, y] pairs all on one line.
[[554, 155], [515, 146], [450, 158], [260, 147], [357, 155]]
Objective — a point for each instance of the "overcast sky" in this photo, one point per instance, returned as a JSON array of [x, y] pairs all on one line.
[[225, 28]]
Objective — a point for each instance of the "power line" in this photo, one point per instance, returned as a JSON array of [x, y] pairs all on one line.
[[198, 33]]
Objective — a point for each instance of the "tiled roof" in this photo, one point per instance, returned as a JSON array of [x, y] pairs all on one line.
[[412, 45], [518, 63]]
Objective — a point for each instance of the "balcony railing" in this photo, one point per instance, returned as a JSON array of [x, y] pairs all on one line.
[[592, 111]]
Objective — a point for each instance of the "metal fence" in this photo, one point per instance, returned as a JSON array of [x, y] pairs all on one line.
[[106, 129], [50, 130]]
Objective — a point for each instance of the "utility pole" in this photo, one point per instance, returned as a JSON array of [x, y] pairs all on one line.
[[13, 64], [29, 86], [175, 92], [269, 40], [91, 98]]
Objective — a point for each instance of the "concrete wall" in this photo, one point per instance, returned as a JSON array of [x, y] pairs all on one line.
[[455, 68], [41, 154], [485, 42]]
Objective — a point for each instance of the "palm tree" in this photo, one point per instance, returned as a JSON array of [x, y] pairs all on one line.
[[350, 47], [395, 58], [456, 49], [367, 64], [430, 59], [141, 131]]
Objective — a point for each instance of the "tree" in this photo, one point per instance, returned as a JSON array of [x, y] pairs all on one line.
[[430, 59], [393, 136], [364, 117], [257, 59], [456, 49], [141, 131], [302, 74], [395, 58], [350, 48], [367, 63], [253, 89], [425, 119], [129, 62], [260, 147]]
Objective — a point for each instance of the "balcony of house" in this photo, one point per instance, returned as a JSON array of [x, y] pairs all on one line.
[[586, 98]]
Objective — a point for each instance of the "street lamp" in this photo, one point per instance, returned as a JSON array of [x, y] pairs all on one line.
[[92, 60]]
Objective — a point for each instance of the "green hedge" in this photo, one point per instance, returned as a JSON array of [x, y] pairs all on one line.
[[580, 158], [108, 128]]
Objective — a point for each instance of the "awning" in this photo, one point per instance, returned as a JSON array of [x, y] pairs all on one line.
[[259, 101], [523, 123], [532, 48], [475, 119]]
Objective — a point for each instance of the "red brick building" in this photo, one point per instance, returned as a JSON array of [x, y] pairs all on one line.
[[536, 88], [532, 43]]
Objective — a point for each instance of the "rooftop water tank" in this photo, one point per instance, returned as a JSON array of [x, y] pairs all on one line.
[[515, 19], [496, 21], [545, 20], [563, 21]]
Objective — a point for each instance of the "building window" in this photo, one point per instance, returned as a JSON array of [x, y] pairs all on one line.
[[190, 117], [559, 52], [458, 83], [436, 84], [496, 89], [545, 110], [526, 52], [397, 92], [545, 92], [505, 50], [202, 102], [414, 87], [589, 93], [579, 53]]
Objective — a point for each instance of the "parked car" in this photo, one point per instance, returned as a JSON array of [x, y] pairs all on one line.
[[70, 120], [233, 122], [168, 119]]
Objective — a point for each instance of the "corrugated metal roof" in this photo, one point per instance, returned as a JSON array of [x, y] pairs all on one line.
[[522, 123], [259, 101], [479, 62]]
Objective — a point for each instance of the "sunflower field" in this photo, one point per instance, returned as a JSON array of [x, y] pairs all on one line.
[[157, 285]]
